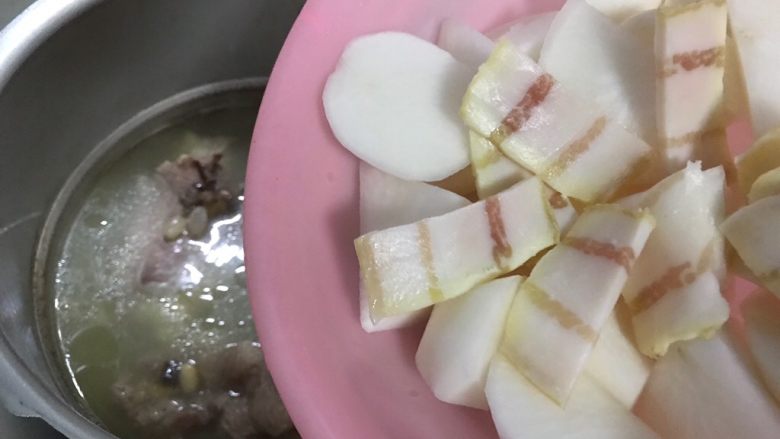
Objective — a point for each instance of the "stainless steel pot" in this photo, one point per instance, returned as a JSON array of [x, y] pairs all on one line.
[[71, 73]]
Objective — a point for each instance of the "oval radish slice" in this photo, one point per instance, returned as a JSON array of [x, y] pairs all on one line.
[[393, 102], [387, 201]]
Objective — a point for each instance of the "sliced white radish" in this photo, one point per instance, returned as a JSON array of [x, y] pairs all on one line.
[[755, 30], [575, 149], [620, 10], [564, 212], [393, 102], [603, 63], [560, 309], [473, 48], [752, 230], [387, 201], [734, 88], [465, 43], [528, 34], [493, 171], [691, 53], [615, 363], [762, 326], [461, 337], [762, 157], [642, 27], [766, 185], [410, 267], [692, 310], [705, 389], [688, 207], [521, 411]]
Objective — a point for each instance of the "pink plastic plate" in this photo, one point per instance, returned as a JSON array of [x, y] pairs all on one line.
[[301, 218]]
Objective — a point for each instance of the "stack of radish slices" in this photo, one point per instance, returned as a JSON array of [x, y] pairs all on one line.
[[573, 285]]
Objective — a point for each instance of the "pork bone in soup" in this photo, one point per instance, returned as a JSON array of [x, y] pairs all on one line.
[[152, 315]]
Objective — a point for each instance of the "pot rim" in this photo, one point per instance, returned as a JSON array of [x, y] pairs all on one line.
[[25, 33], [30, 397]]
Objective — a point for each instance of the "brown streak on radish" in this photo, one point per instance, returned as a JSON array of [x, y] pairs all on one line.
[[623, 256], [558, 311], [501, 248], [426, 254], [520, 114], [673, 279], [694, 59], [694, 138], [575, 149]]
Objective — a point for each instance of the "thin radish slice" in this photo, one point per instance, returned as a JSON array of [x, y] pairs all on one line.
[[473, 48], [560, 309], [615, 362], [762, 157], [705, 389], [577, 151], [410, 267], [387, 201], [754, 26], [589, 55], [688, 207], [494, 172], [393, 102], [521, 411], [766, 185], [752, 230], [642, 27], [528, 35], [621, 10], [762, 326], [692, 310], [461, 337], [690, 52], [734, 88], [465, 43]]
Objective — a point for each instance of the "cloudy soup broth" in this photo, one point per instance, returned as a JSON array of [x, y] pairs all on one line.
[[151, 313]]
